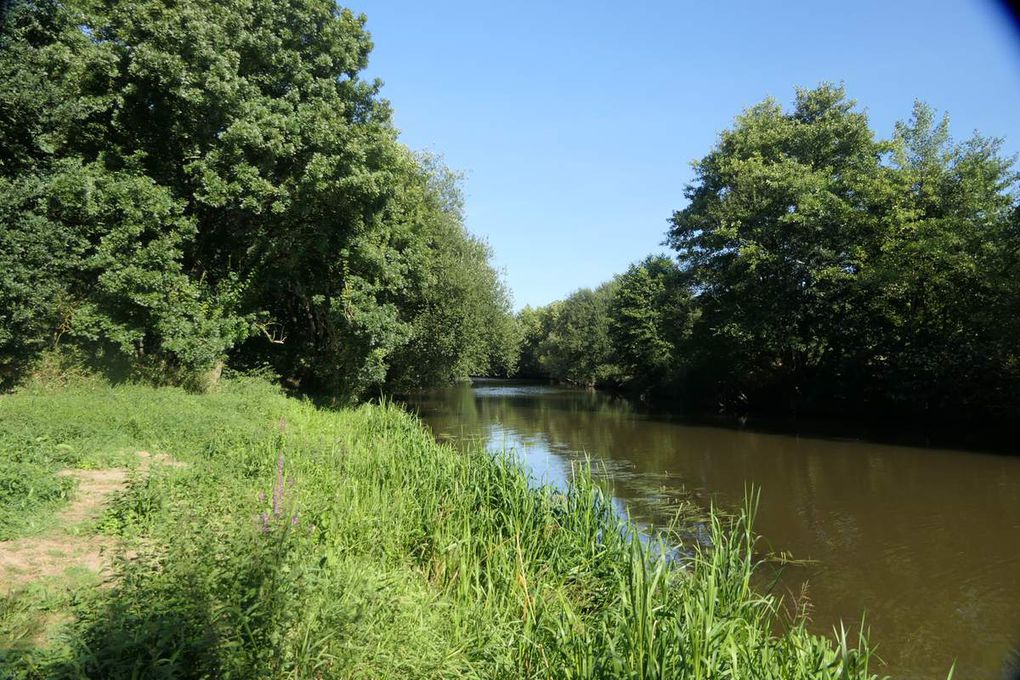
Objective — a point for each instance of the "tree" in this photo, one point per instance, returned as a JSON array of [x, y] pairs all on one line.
[[460, 310], [776, 228], [578, 348], [833, 268], [943, 286], [216, 179], [818, 268], [534, 324], [650, 317]]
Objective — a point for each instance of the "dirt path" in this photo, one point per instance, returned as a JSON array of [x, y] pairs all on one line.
[[24, 560], [29, 559]]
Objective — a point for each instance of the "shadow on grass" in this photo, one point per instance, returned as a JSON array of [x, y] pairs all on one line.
[[211, 607], [164, 628]]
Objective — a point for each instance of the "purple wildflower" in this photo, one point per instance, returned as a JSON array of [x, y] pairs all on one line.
[[265, 522], [278, 488]]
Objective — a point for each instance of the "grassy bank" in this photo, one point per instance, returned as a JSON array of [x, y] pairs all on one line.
[[264, 538]]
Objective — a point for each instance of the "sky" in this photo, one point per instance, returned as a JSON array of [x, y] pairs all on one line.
[[575, 123]]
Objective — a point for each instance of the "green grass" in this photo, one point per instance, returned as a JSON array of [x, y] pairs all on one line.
[[391, 556]]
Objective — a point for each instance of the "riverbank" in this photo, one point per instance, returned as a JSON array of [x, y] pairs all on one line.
[[922, 541], [888, 426], [247, 534]]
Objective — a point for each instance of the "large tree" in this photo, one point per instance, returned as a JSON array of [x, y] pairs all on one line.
[[834, 268], [944, 292], [818, 267], [460, 309], [534, 326], [777, 226], [207, 173]]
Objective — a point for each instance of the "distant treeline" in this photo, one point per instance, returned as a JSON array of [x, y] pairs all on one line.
[[192, 182], [818, 268]]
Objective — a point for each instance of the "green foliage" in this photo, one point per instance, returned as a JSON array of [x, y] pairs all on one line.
[[95, 256], [628, 331], [28, 491], [578, 348], [650, 318], [223, 604], [832, 267], [945, 288], [184, 183], [777, 231], [534, 325], [381, 541], [462, 324], [820, 268]]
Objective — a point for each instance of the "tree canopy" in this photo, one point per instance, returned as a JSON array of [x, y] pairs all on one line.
[[185, 182], [820, 267]]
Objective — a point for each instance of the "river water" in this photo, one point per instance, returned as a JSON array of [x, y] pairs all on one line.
[[924, 542]]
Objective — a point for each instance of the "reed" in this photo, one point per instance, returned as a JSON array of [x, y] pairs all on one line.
[[349, 544]]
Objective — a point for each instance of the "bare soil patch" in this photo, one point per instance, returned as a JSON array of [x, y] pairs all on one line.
[[94, 488], [29, 559]]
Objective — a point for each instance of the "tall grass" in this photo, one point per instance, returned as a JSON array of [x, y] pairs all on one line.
[[376, 553]]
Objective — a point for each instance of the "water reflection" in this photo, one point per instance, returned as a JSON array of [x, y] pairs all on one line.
[[926, 541]]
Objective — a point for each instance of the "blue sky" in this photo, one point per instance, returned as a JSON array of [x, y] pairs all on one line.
[[576, 122]]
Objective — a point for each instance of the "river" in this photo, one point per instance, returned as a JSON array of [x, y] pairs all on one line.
[[924, 542]]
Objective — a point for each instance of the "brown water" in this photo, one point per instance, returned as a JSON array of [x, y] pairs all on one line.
[[925, 541]]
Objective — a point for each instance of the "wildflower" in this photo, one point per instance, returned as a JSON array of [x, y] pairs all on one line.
[[278, 488]]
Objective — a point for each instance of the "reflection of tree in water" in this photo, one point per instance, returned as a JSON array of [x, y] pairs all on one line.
[[926, 541], [571, 424]]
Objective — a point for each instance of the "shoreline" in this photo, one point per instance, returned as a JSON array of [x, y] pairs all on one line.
[[990, 437]]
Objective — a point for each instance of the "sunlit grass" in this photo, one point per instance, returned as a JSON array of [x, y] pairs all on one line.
[[385, 555]]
